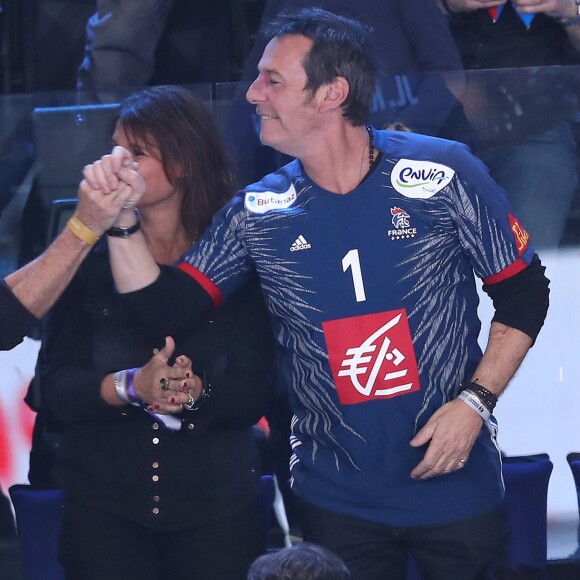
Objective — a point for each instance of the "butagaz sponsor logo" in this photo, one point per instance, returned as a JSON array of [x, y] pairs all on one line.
[[420, 179], [300, 243], [401, 220], [263, 201]]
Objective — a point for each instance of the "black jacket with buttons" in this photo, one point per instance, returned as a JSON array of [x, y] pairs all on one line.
[[122, 460]]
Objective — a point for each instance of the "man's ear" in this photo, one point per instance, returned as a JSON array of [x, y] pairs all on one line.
[[334, 94]]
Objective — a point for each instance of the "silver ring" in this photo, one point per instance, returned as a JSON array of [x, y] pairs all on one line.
[[164, 384], [190, 403]]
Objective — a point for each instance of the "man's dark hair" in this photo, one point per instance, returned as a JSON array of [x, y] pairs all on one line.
[[339, 49], [304, 561]]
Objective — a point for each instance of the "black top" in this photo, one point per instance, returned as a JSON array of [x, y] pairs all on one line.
[[122, 460], [15, 320]]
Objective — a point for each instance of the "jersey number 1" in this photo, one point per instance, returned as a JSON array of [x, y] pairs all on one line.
[[352, 261]]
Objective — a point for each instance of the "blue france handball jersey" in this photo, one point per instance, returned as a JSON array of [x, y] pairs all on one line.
[[373, 301]]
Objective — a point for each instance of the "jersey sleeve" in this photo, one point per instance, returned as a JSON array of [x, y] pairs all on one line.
[[219, 261], [491, 234]]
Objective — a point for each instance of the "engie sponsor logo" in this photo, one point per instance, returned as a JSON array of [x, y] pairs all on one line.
[[420, 179], [263, 201]]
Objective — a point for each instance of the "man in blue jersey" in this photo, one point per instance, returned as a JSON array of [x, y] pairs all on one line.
[[366, 247]]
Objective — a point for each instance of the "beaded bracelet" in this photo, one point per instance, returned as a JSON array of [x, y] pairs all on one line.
[[486, 397]]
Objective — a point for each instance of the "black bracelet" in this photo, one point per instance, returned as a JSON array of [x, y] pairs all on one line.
[[485, 396], [119, 232]]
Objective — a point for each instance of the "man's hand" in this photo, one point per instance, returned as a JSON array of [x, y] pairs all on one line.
[[109, 185], [557, 9], [104, 173], [450, 433]]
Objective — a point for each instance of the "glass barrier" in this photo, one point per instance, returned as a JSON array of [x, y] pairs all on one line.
[[46, 139], [522, 122]]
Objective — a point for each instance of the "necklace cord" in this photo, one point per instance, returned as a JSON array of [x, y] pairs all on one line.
[[371, 146]]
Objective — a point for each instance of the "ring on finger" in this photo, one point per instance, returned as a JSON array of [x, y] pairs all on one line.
[[190, 403], [164, 384]]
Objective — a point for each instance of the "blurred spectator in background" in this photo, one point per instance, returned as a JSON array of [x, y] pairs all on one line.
[[122, 36], [133, 43], [523, 118]]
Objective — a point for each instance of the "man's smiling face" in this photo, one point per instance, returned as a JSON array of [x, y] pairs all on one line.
[[286, 109]]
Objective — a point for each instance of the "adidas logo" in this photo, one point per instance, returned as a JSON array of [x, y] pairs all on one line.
[[300, 244]]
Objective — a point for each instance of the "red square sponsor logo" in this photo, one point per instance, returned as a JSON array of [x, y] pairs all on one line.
[[371, 356], [521, 236]]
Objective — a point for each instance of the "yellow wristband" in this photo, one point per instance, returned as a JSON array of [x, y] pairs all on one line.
[[81, 231]]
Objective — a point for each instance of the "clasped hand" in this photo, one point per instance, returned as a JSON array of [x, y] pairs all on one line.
[[167, 388], [109, 186]]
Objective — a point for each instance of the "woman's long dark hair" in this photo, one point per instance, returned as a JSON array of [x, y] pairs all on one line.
[[173, 121]]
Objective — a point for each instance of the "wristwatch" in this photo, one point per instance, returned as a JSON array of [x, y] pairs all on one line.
[[125, 232]]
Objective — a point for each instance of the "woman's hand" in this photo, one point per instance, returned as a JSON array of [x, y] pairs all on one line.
[[103, 174], [115, 173], [110, 186], [167, 388]]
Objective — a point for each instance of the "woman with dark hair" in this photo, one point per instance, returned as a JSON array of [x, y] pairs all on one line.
[[161, 476]]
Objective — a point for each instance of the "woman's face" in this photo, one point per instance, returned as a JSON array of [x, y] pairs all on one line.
[[159, 189]]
